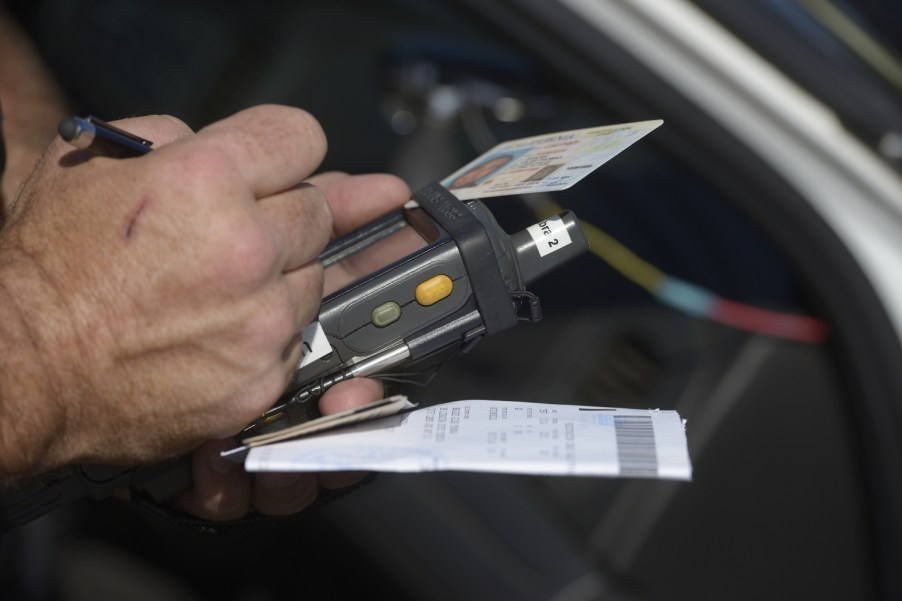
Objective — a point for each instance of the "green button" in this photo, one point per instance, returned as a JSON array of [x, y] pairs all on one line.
[[385, 314]]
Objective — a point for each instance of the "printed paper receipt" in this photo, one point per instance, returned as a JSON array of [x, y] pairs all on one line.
[[496, 436]]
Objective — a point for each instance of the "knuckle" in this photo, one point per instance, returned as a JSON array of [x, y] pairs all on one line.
[[245, 253], [204, 164]]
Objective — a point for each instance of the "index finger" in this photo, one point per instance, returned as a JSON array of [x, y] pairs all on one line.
[[358, 199], [273, 147]]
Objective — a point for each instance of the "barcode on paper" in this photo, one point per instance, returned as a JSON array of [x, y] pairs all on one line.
[[636, 446]]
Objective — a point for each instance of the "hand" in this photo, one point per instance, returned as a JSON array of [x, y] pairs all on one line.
[[155, 303], [222, 489]]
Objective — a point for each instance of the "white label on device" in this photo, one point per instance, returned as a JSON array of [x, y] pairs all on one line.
[[549, 235], [315, 344]]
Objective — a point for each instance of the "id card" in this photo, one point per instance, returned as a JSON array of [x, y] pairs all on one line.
[[544, 163]]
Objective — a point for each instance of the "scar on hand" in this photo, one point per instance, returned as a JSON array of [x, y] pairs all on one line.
[[131, 222]]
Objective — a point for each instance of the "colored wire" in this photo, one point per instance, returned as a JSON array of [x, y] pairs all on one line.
[[690, 298]]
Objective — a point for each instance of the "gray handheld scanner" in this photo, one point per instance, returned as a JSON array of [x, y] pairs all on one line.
[[407, 291], [437, 276]]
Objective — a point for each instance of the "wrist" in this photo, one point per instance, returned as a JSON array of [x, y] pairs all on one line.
[[32, 410]]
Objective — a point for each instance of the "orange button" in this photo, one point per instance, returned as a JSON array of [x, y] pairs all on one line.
[[434, 289]]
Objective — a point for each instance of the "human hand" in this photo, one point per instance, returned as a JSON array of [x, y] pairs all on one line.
[[222, 489], [159, 299]]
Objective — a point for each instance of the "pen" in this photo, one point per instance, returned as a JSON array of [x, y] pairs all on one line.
[[101, 138]]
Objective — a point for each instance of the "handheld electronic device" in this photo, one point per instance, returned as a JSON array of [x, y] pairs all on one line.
[[440, 274]]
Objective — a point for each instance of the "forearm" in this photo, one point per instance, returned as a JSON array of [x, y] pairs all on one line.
[[32, 104]]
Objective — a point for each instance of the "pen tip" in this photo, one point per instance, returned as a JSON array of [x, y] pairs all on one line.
[[68, 129]]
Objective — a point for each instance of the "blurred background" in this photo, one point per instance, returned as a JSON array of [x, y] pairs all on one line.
[[775, 183]]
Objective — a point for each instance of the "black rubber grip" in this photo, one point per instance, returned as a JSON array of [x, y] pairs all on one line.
[[492, 295]]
